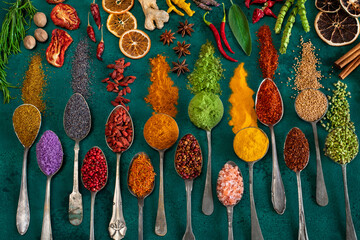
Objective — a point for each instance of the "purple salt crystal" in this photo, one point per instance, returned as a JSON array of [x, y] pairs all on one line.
[[49, 153]]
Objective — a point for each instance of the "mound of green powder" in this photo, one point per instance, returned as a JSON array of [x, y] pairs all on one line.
[[205, 110]]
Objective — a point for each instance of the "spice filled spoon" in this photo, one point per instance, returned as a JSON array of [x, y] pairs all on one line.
[[26, 122], [269, 110], [94, 175], [342, 146], [141, 171], [119, 136], [161, 132], [77, 125], [49, 155], [250, 145], [230, 181], [296, 156], [188, 164], [311, 106], [206, 111]]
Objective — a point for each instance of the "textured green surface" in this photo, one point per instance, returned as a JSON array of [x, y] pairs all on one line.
[[322, 222]]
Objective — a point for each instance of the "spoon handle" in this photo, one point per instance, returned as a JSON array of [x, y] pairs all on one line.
[[92, 234], [75, 198], [117, 227], [160, 225], [189, 235], [230, 212], [350, 230], [256, 233], [46, 233], [303, 235], [278, 197], [208, 202], [321, 193], [140, 220], [23, 210]]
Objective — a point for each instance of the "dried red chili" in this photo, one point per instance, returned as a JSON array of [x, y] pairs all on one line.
[[95, 11], [100, 47], [296, 150], [54, 1], [60, 41], [119, 131], [90, 30], [269, 107], [64, 15], [94, 170], [257, 15], [268, 59]]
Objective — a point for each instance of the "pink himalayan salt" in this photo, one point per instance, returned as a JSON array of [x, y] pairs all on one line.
[[230, 185]]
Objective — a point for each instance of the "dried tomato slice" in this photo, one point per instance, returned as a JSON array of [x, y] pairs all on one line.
[[64, 15], [55, 1], [60, 41]]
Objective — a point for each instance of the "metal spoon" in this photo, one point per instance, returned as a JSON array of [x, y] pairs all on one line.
[[321, 193], [93, 195], [117, 227], [256, 233], [302, 235], [278, 197], [160, 224], [75, 198], [230, 209], [189, 235], [140, 199], [23, 210]]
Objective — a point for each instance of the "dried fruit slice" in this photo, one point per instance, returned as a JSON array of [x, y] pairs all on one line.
[[117, 6], [117, 24], [328, 6], [135, 44], [337, 29], [352, 7]]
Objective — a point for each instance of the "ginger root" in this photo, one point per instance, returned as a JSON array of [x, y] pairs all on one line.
[[153, 14], [181, 4]]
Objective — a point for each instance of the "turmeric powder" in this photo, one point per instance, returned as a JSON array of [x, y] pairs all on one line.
[[242, 110], [163, 96]]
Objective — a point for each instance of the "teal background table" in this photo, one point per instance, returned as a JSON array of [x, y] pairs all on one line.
[[322, 222]]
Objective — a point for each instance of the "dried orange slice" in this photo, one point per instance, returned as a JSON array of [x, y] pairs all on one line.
[[134, 44], [117, 24], [117, 6]]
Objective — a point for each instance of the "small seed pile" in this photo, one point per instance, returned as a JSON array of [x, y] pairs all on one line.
[[311, 104]]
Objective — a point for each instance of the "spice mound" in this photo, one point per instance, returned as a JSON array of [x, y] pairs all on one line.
[[269, 108], [77, 117], [251, 144], [342, 145], [119, 130], [49, 153], [188, 158], [26, 121], [296, 150], [161, 131], [141, 177], [311, 104], [230, 185], [94, 171], [205, 110]]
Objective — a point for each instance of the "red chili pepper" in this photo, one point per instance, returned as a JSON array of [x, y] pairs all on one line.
[[90, 30], [101, 46], [268, 12], [222, 31], [258, 2], [257, 15], [218, 39], [247, 3], [95, 11], [270, 3]]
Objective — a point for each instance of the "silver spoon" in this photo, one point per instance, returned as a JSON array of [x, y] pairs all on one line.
[[160, 224], [117, 227], [302, 235], [75, 198], [189, 235], [321, 193], [230, 209], [23, 209], [256, 233], [278, 197], [93, 195], [140, 199]]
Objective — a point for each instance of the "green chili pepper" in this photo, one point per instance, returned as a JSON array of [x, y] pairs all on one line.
[[287, 31], [282, 14]]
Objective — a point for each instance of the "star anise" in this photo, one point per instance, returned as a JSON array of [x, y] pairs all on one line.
[[180, 67], [185, 28], [167, 37], [182, 49]]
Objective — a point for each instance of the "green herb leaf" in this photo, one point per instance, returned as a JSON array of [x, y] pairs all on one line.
[[239, 26]]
